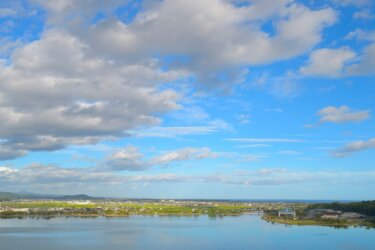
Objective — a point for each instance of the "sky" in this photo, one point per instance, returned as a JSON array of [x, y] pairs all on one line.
[[213, 99]]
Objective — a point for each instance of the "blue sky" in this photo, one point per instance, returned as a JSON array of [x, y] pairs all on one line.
[[188, 99]]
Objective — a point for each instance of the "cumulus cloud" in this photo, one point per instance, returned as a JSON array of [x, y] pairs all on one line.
[[342, 114], [55, 94], [366, 64], [62, 11], [361, 35], [342, 62], [83, 82], [128, 159], [354, 147], [328, 62], [9, 153], [131, 159], [220, 36]]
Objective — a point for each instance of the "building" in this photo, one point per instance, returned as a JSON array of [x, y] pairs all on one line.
[[351, 215], [318, 213], [287, 212], [20, 210], [331, 215]]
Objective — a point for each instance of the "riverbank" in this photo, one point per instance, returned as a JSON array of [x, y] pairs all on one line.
[[337, 223], [91, 209]]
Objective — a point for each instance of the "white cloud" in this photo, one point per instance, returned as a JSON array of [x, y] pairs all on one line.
[[175, 132], [342, 114], [55, 179], [289, 152], [183, 155], [342, 62], [364, 14], [286, 87], [80, 83], [262, 140], [361, 34], [131, 159], [282, 176], [366, 64], [6, 47], [56, 93], [282, 86], [219, 36], [191, 114], [354, 147], [60, 12], [328, 62], [128, 158]]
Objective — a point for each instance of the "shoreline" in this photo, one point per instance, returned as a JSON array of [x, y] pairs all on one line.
[[324, 223], [83, 215], [269, 212], [267, 218]]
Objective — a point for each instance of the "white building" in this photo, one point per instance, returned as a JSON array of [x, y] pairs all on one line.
[[287, 212]]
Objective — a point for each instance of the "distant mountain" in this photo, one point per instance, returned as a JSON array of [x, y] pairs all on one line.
[[33, 196], [77, 197], [15, 196]]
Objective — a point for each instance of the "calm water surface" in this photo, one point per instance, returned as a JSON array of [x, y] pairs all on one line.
[[142, 232]]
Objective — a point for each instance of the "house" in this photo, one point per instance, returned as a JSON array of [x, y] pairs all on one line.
[[314, 213], [331, 215], [287, 212], [351, 215], [20, 210]]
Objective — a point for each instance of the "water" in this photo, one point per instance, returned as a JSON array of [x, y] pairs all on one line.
[[144, 232]]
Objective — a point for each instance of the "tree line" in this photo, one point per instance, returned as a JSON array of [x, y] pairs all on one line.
[[363, 207]]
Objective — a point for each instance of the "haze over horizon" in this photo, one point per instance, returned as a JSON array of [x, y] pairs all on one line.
[[213, 99]]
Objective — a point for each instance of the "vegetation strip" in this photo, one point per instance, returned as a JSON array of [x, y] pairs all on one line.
[[328, 214]]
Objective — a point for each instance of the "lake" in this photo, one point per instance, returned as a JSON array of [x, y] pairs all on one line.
[[202, 232]]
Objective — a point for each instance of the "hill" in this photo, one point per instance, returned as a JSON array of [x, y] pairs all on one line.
[[17, 196], [4, 196], [77, 197]]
